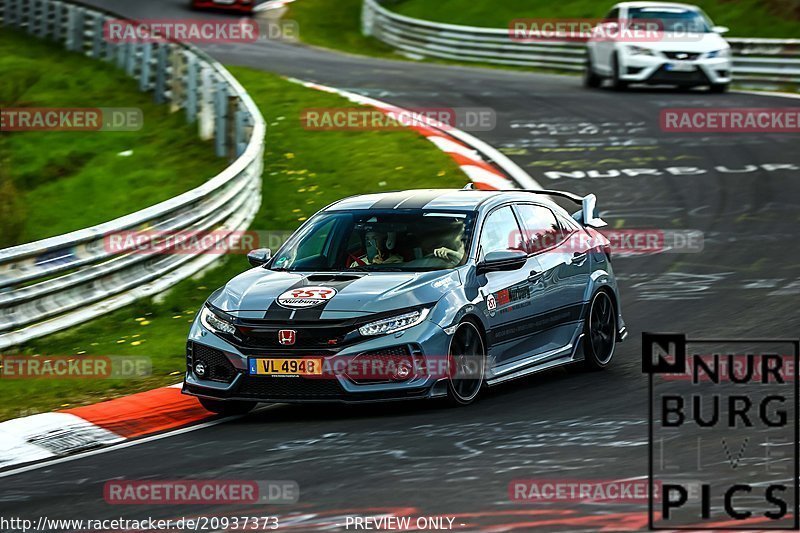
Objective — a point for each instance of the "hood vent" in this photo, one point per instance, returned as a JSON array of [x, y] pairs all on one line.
[[332, 278]]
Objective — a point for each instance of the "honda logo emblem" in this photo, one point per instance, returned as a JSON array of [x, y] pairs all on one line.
[[287, 336]]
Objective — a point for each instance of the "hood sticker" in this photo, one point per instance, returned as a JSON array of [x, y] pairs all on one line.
[[305, 297]]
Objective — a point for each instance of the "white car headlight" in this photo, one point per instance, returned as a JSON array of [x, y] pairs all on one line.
[[640, 51], [393, 324], [215, 323], [725, 53]]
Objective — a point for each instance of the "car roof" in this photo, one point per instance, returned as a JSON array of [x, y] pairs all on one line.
[[445, 199], [657, 4]]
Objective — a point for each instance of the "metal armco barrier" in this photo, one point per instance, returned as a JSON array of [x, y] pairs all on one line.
[[754, 60], [55, 283]]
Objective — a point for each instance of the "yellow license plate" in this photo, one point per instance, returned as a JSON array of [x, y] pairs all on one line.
[[293, 367]]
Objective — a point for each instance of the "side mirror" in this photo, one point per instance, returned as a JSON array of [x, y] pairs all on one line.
[[505, 260], [720, 29], [259, 256]]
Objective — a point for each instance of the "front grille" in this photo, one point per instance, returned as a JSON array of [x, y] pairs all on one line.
[[682, 56], [219, 367], [298, 388], [662, 75], [267, 337]]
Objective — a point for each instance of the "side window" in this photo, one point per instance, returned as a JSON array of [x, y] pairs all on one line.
[[613, 15], [541, 229], [500, 232]]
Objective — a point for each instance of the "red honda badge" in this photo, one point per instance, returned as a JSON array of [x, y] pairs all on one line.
[[287, 336]]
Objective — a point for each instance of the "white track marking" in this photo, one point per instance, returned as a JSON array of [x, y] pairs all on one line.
[[773, 94], [128, 444]]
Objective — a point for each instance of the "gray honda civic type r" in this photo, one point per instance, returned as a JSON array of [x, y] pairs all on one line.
[[412, 294]]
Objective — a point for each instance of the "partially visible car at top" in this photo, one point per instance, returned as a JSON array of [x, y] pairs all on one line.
[[239, 6], [480, 286], [688, 50]]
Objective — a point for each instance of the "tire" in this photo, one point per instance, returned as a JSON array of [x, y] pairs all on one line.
[[223, 407], [590, 78], [718, 88], [616, 82], [600, 332], [467, 344]]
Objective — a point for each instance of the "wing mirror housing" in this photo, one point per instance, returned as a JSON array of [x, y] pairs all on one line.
[[720, 29], [259, 256], [500, 261]]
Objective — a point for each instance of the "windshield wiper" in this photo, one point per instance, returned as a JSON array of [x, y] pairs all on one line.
[[373, 268]]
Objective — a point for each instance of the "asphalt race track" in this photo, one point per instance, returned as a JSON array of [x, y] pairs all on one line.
[[741, 190]]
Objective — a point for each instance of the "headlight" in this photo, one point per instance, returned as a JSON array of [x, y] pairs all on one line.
[[639, 51], [396, 323], [215, 323], [724, 53]]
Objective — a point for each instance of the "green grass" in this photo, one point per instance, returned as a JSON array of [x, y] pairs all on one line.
[[335, 25], [304, 171], [745, 18], [57, 181]]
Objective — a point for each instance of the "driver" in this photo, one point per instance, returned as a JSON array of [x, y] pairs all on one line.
[[454, 255], [377, 252]]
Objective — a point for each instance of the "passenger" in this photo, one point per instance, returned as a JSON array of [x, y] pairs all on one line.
[[377, 252]]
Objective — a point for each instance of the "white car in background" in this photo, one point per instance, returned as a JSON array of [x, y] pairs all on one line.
[[687, 50]]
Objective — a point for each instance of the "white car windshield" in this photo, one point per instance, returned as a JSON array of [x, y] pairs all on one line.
[[672, 20]]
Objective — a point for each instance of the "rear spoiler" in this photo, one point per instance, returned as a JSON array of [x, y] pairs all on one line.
[[588, 203], [587, 215]]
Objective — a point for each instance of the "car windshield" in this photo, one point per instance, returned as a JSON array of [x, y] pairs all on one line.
[[672, 20], [372, 240]]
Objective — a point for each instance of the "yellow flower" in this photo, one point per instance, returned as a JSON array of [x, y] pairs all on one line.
[[289, 155], [136, 343], [144, 322]]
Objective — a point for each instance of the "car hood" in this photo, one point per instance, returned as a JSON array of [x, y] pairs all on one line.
[[696, 43], [254, 292]]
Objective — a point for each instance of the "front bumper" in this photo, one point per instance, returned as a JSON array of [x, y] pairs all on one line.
[[229, 378], [658, 70]]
